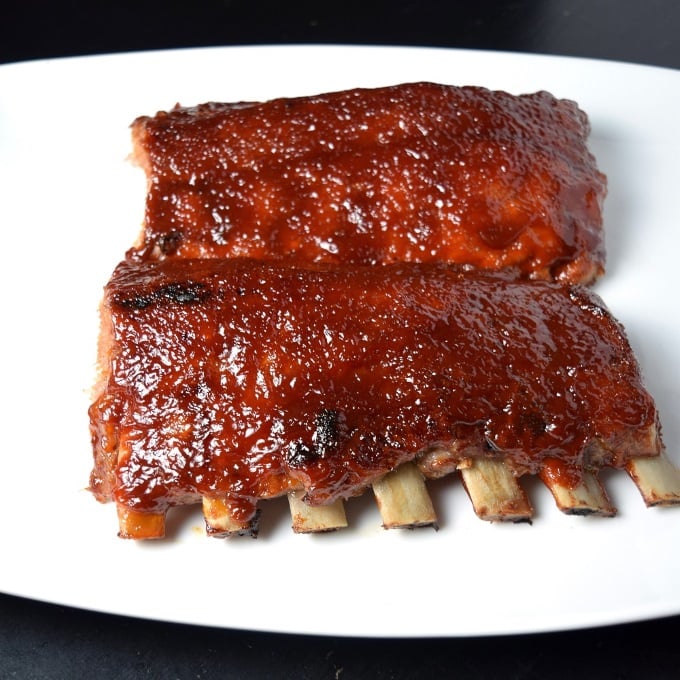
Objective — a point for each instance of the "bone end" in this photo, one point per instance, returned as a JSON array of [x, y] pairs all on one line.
[[495, 492], [403, 500], [657, 479], [223, 520], [576, 493], [140, 525], [314, 519]]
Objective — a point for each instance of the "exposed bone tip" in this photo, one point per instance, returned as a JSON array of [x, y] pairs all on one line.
[[403, 500], [579, 494], [413, 527], [495, 492], [315, 519], [140, 525], [657, 479], [222, 520]]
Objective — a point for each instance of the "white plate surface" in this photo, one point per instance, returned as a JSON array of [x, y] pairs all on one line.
[[71, 204]]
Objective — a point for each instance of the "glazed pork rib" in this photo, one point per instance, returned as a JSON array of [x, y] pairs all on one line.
[[230, 381], [414, 172]]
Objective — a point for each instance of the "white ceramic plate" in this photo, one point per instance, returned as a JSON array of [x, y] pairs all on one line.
[[71, 204]]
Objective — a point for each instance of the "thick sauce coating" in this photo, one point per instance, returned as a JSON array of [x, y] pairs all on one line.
[[416, 172], [248, 379]]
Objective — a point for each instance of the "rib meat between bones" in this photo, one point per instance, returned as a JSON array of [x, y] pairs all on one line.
[[243, 380], [414, 172]]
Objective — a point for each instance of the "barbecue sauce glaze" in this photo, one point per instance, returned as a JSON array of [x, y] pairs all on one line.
[[246, 379], [415, 172]]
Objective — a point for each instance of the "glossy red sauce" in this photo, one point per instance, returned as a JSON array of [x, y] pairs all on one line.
[[415, 172], [246, 378]]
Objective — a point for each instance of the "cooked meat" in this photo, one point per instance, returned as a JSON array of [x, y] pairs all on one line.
[[245, 380], [415, 172]]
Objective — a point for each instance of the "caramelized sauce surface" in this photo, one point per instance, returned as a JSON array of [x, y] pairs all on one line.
[[247, 378], [416, 172]]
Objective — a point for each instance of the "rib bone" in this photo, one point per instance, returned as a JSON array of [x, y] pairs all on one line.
[[587, 497], [140, 525], [403, 500], [657, 479], [495, 492], [221, 520], [309, 519]]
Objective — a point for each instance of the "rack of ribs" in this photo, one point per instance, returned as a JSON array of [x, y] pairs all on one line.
[[361, 289], [415, 172], [229, 381]]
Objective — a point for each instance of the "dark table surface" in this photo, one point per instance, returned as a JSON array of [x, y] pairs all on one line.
[[39, 640]]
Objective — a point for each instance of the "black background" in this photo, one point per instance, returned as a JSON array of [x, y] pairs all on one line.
[[631, 30], [47, 641]]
